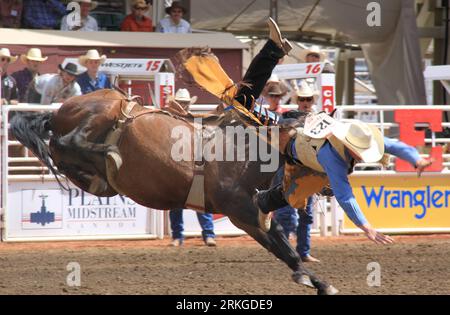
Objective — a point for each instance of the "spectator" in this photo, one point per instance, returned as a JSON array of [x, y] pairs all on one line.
[[9, 85], [88, 23], [314, 54], [11, 13], [32, 60], [92, 79], [42, 14], [174, 23], [62, 86], [137, 21], [183, 97], [305, 98]]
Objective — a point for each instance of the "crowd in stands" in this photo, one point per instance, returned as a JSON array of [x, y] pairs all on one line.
[[29, 86], [55, 14]]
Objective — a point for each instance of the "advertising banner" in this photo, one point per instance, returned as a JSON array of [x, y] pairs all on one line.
[[44, 210], [401, 203]]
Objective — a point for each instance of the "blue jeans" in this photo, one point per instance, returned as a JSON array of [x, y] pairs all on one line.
[[305, 220], [287, 217], [176, 224]]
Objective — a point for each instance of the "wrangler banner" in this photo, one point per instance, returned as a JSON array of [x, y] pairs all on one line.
[[403, 203]]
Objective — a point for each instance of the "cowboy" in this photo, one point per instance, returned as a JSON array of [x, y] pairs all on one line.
[[9, 85], [61, 86], [174, 23], [183, 97], [32, 61], [92, 79], [332, 156], [137, 21], [87, 22]]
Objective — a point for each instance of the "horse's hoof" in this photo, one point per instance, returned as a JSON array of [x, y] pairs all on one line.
[[330, 290], [302, 278]]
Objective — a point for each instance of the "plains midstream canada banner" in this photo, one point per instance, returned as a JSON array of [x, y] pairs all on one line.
[[401, 202], [38, 209]]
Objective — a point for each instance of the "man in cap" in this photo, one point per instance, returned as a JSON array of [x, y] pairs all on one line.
[[333, 153], [87, 22], [184, 99], [92, 80], [9, 85], [62, 86], [32, 60], [137, 21], [174, 23]]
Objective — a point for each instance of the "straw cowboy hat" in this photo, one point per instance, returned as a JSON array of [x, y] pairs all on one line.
[[175, 5], [312, 50], [363, 139], [139, 4], [91, 54], [305, 91], [70, 68], [34, 54], [183, 95], [92, 3], [4, 52]]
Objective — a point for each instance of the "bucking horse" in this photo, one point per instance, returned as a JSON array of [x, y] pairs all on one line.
[[108, 143]]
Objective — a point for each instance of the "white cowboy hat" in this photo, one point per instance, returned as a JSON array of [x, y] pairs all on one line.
[[305, 90], [183, 95], [4, 52], [363, 139], [92, 3], [91, 54], [34, 54], [312, 50]]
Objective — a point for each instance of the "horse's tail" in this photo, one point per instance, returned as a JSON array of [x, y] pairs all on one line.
[[32, 129]]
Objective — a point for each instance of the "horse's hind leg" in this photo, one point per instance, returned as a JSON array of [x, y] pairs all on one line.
[[277, 243]]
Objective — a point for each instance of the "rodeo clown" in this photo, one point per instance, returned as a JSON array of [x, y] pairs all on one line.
[[329, 149]]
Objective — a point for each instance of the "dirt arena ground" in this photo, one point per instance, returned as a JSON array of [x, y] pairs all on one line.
[[414, 265]]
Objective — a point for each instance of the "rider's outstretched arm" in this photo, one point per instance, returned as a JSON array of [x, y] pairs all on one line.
[[336, 169]]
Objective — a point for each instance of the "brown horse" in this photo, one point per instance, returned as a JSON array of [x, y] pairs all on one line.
[[148, 174]]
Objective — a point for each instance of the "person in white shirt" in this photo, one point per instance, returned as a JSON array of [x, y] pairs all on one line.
[[88, 23], [60, 87], [174, 23]]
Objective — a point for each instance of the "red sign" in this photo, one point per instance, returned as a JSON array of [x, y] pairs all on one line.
[[327, 98], [164, 92], [406, 118]]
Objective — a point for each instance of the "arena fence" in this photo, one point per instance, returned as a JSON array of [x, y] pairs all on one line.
[[33, 207]]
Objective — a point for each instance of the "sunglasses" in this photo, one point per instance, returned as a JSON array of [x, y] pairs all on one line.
[[3, 59], [140, 8], [305, 99], [275, 96]]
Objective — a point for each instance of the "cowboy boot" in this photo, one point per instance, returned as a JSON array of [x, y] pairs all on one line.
[[275, 36]]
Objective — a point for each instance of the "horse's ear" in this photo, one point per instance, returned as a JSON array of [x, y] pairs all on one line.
[[333, 112]]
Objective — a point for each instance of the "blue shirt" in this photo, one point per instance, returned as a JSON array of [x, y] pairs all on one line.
[[166, 25], [42, 14], [337, 171], [88, 85]]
